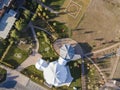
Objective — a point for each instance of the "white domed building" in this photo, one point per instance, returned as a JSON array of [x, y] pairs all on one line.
[[57, 73]]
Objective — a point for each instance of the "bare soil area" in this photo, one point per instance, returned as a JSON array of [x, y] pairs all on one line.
[[100, 25]]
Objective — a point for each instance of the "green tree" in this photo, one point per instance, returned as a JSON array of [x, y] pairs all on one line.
[[14, 34], [20, 24], [44, 14], [39, 8], [43, 1], [26, 14], [34, 17], [38, 34]]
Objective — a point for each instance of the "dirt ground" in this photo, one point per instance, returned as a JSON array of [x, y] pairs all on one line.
[[72, 11], [100, 25]]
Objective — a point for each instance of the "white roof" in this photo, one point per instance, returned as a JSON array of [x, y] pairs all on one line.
[[6, 24], [55, 73], [12, 13], [67, 52], [41, 64]]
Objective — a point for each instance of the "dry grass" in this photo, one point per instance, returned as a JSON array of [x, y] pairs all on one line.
[[73, 11], [100, 24]]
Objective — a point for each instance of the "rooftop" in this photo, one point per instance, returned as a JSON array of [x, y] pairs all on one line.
[[6, 23], [4, 3]]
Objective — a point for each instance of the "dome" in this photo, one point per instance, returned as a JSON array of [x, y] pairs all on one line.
[[41, 64], [62, 61], [55, 73], [67, 52]]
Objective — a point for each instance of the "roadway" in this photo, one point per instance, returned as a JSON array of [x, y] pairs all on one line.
[[16, 80]]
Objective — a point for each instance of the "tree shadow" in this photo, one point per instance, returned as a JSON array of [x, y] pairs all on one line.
[[13, 63], [79, 29], [75, 69], [60, 28], [48, 2], [117, 79], [55, 4], [88, 32], [55, 7], [85, 47], [10, 82], [99, 39], [62, 13]]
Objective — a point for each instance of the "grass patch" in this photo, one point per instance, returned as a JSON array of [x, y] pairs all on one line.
[[34, 74], [45, 47], [60, 28], [15, 56]]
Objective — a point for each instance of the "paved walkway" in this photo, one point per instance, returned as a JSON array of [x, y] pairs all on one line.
[[17, 80], [34, 36], [42, 30], [31, 60]]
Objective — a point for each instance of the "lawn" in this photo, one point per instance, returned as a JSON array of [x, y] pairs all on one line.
[[15, 56], [60, 28], [33, 74], [45, 47]]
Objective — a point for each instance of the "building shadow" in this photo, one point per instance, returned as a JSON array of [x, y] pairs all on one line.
[[85, 47], [75, 70], [117, 79], [10, 82]]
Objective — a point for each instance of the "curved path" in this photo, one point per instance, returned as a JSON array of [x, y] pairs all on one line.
[[34, 36], [115, 67], [99, 70]]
